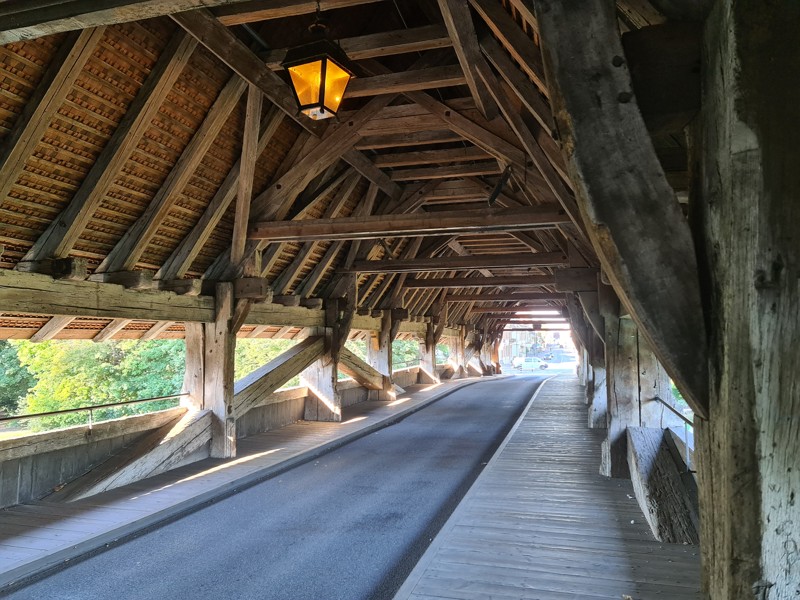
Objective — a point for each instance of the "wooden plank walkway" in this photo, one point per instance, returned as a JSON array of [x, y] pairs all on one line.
[[38, 536], [541, 523]]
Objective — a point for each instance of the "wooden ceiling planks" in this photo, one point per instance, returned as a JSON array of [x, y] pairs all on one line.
[[423, 135]]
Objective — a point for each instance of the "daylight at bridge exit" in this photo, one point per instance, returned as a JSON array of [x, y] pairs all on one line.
[[399, 299]]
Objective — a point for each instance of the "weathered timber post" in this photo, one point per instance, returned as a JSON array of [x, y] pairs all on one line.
[[379, 355], [460, 353], [427, 350], [596, 388], [210, 352], [323, 402], [634, 377], [747, 230]]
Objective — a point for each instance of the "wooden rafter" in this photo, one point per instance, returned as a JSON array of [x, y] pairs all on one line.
[[247, 167], [126, 253], [60, 237], [480, 220], [182, 257], [635, 222], [375, 45], [407, 81], [66, 66], [459, 263], [458, 19], [473, 281], [506, 297], [219, 40]]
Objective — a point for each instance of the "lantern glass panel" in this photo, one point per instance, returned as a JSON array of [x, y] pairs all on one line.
[[336, 80], [307, 80]]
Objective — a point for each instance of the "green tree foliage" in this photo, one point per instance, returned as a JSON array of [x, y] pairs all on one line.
[[71, 374], [15, 379], [255, 353], [405, 353]]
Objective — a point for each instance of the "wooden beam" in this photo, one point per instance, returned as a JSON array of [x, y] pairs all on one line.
[[51, 329], [63, 232], [459, 263], [413, 138], [515, 41], [653, 264], [31, 19], [406, 81], [526, 92], [40, 294], [477, 221], [458, 20], [428, 157], [461, 251], [47, 98], [489, 167], [237, 13], [541, 161], [221, 42], [156, 452], [474, 281], [506, 297], [376, 45], [362, 372], [263, 381], [289, 274], [126, 253], [110, 330], [247, 167], [514, 309], [371, 172], [184, 255], [156, 330]]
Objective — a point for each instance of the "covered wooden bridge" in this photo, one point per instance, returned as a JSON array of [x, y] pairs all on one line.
[[631, 165]]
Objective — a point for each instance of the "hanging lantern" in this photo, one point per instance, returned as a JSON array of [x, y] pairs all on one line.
[[319, 73]]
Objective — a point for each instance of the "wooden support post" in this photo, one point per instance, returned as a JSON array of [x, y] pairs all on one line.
[[379, 352], [210, 349], [323, 402], [634, 379], [746, 156], [427, 350], [596, 388]]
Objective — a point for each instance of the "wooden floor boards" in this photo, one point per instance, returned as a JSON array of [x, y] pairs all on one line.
[[541, 523]]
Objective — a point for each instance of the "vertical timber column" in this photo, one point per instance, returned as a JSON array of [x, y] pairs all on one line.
[[323, 402], [634, 379], [596, 389], [194, 377], [622, 350], [427, 350], [219, 347], [749, 181], [461, 354], [379, 355]]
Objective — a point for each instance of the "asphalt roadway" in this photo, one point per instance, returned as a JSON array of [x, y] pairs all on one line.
[[349, 525]]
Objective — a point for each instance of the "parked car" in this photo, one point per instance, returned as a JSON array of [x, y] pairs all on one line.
[[529, 363], [516, 362]]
